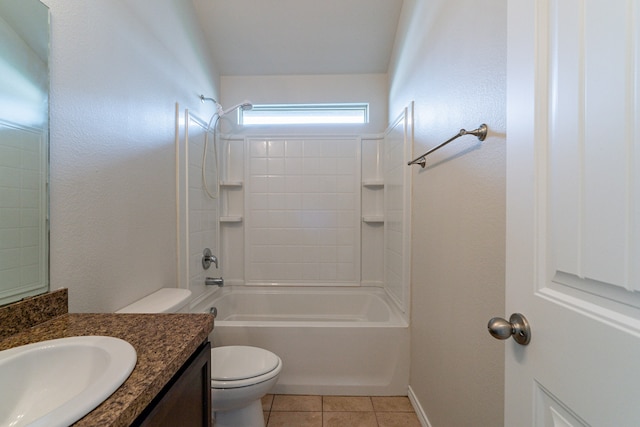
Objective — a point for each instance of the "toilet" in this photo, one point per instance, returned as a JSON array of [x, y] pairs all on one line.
[[240, 375]]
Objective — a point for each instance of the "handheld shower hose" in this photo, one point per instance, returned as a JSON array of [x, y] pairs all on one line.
[[220, 112]]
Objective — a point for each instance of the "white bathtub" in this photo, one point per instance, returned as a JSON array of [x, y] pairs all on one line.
[[332, 341]]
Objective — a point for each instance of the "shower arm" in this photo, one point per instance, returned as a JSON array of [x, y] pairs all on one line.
[[220, 112], [244, 105], [204, 98]]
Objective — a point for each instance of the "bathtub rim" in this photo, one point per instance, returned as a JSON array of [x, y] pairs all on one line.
[[204, 301]]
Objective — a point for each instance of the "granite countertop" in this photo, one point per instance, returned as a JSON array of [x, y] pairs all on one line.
[[164, 342]]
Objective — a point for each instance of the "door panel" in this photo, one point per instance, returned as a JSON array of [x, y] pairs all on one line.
[[591, 147], [573, 216], [551, 412]]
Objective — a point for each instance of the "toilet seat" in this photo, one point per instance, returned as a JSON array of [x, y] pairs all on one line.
[[241, 366]]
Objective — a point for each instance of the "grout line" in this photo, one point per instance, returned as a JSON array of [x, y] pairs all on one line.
[[322, 411]]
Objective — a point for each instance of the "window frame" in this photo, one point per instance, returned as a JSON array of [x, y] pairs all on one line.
[[361, 107]]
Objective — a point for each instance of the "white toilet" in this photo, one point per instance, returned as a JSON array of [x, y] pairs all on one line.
[[240, 375]]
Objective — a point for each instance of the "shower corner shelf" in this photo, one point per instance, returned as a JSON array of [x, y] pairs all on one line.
[[231, 183], [231, 218], [373, 219], [372, 183]]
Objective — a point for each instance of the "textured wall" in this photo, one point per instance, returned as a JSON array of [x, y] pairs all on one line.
[[117, 69], [450, 57]]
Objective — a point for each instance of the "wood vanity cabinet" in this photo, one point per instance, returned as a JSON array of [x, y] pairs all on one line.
[[186, 400]]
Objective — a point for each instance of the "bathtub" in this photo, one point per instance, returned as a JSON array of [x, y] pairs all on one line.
[[332, 341]]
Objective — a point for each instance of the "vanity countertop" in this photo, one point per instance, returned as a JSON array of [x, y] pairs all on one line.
[[164, 342]]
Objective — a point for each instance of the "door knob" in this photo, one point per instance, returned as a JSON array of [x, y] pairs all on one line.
[[517, 327]]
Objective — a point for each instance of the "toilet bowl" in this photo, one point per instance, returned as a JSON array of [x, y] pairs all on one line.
[[240, 377]]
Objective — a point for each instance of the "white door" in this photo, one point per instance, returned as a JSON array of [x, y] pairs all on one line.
[[573, 212]]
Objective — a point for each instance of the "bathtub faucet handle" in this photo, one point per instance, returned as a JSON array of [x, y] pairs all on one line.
[[208, 258], [211, 281]]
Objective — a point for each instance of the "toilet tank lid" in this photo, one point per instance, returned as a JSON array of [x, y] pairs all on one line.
[[165, 300]]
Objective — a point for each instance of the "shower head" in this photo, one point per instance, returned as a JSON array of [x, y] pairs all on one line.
[[244, 106]]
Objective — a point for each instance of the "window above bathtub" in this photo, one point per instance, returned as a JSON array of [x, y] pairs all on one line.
[[306, 114]]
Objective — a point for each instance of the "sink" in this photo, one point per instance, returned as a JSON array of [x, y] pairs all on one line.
[[57, 382]]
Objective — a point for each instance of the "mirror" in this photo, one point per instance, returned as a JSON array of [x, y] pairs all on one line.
[[24, 149]]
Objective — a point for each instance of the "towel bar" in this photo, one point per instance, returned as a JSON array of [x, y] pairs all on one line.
[[481, 133]]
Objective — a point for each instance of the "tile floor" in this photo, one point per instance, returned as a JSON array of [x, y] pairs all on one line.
[[338, 411]]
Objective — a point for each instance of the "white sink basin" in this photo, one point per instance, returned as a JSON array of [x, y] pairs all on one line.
[[57, 382]]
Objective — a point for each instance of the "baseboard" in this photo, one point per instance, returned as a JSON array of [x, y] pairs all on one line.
[[422, 417]]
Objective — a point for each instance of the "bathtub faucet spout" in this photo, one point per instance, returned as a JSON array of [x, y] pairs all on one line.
[[211, 281]]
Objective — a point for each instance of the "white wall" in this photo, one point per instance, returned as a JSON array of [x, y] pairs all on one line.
[[450, 57], [117, 69]]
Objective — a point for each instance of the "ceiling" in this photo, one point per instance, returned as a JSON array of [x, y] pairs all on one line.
[[284, 37]]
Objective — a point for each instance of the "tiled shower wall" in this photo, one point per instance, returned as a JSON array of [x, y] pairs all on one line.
[[309, 210], [318, 210], [302, 210]]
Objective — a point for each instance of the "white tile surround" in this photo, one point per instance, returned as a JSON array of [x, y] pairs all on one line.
[[302, 210], [298, 206], [309, 209]]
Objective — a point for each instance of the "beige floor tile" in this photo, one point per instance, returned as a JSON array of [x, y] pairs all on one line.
[[397, 419], [346, 403], [283, 402], [266, 417], [338, 411], [349, 419], [295, 419], [267, 400], [391, 404]]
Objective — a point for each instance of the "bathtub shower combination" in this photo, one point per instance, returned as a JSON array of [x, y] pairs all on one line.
[[332, 340], [313, 237]]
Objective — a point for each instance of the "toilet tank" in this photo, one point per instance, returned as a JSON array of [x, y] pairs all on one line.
[[165, 300]]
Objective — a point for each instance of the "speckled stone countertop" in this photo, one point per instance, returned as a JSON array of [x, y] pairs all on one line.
[[164, 342]]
